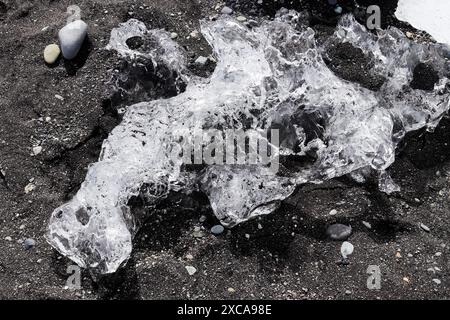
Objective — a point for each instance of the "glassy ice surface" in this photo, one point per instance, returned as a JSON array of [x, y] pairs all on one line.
[[272, 76]]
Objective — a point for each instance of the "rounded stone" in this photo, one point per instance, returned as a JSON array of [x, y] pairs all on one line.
[[227, 10], [29, 243], [51, 53], [339, 232], [346, 249], [217, 229], [338, 10], [71, 38]]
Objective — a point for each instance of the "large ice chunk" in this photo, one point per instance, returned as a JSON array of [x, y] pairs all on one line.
[[271, 76]]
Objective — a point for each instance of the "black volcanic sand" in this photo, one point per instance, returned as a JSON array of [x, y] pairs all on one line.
[[285, 255]]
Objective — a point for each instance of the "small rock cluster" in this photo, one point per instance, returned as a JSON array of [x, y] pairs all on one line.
[[71, 38], [341, 232]]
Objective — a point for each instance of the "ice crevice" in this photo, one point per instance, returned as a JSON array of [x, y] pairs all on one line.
[[271, 76]]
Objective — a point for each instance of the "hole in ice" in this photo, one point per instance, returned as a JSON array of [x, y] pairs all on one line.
[[82, 216]]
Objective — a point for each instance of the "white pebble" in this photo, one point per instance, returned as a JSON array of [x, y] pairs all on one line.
[[367, 224], [51, 53], [191, 270], [227, 10], [346, 249], [201, 60], [29, 188], [194, 34], [37, 150], [424, 227]]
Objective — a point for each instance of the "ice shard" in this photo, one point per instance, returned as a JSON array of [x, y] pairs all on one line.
[[270, 76]]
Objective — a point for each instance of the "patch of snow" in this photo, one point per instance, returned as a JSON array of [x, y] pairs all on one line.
[[432, 16]]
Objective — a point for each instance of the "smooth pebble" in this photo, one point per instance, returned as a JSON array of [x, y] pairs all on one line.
[[71, 38], [424, 227], [217, 229], [346, 249], [227, 10], [191, 270], [29, 243], [51, 53]]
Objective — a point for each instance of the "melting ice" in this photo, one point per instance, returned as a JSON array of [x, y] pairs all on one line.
[[271, 76]]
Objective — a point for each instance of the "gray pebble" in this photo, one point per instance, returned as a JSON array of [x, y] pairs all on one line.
[[29, 243], [339, 231], [227, 10], [217, 229], [71, 38]]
